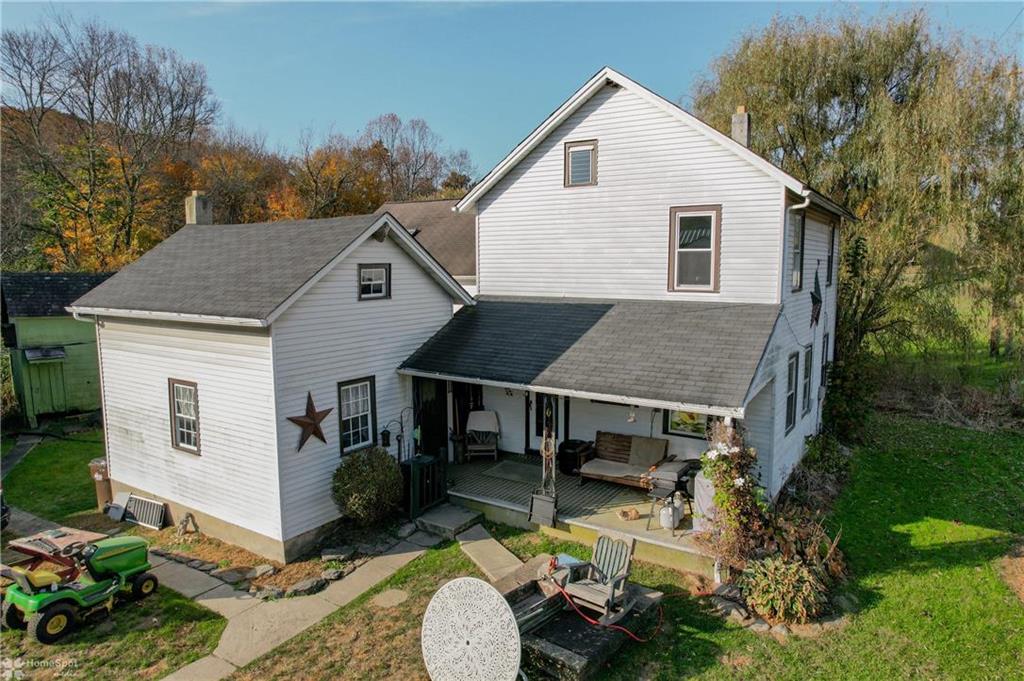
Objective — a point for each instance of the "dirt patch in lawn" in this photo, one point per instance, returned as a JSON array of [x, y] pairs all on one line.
[[362, 640], [1012, 570]]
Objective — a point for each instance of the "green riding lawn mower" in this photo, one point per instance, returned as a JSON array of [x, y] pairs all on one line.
[[50, 604]]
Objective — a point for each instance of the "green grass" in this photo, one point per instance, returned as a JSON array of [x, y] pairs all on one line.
[[141, 640], [53, 480], [928, 512]]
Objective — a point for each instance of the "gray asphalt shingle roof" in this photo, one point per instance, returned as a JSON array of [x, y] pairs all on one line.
[[449, 236], [243, 271], [44, 294], [698, 353]]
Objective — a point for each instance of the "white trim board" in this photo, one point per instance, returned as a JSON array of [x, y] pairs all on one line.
[[735, 412]]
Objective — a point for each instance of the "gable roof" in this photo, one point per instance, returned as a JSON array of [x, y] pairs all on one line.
[[449, 236], [244, 274], [608, 76], [45, 294], [690, 355]]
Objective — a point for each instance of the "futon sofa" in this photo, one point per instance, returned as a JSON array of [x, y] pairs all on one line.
[[623, 459]]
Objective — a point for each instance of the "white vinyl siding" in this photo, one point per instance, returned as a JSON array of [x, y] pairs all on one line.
[[327, 338], [235, 478], [611, 239]]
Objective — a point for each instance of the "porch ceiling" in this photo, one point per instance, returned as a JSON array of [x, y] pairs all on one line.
[[657, 353]]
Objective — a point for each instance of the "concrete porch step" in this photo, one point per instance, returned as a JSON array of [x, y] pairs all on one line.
[[448, 520]]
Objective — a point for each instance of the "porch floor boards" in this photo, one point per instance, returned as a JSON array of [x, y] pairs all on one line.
[[595, 504]]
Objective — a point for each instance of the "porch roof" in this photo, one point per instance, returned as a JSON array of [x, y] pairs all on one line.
[[700, 356]]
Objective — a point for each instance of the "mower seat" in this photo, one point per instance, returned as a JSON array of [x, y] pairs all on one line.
[[35, 580]]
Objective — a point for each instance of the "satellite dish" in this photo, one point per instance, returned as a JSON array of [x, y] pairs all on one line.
[[469, 633]]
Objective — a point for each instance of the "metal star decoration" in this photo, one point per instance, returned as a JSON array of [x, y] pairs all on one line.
[[310, 421]]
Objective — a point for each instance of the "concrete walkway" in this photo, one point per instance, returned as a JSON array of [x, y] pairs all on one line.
[[256, 627], [22, 447], [493, 559]]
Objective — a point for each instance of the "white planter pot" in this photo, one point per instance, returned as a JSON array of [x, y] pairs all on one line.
[[669, 517]]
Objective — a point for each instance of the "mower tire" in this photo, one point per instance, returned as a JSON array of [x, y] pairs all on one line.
[[143, 585], [12, 617], [53, 623]]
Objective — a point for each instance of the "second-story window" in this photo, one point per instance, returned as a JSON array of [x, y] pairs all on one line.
[[693, 256], [831, 255], [580, 163], [374, 281], [798, 252]]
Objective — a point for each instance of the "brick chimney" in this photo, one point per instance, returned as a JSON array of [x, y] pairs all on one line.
[[198, 209], [741, 126]]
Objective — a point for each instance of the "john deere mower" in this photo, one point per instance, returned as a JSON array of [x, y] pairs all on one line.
[[50, 604]]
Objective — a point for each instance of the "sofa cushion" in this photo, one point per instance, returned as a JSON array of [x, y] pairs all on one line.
[[611, 469], [647, 451]]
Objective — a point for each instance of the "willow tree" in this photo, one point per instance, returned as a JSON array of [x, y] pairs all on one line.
[[905, 129]]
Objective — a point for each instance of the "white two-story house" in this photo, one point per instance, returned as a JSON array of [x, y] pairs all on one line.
[[639, 272]]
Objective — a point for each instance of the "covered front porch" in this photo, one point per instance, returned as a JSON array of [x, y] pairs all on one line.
[[645, 378]]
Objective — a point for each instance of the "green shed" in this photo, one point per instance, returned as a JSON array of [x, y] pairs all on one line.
[[53, 355]]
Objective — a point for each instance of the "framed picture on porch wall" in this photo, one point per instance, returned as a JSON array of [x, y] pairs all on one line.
[[684, 423]]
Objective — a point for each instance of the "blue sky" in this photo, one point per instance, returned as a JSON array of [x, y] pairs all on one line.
[[482, 75]]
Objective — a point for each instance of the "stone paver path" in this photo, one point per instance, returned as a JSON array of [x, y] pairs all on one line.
[[22, 447], [256, 627], [493, 559]]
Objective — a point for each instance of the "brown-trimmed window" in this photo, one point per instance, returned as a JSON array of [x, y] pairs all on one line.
[[581, 163], [808, 371], [694, 248], [358, 414], [797, 269], [792, 376], [184, 408], [831, 255], [374, 281]]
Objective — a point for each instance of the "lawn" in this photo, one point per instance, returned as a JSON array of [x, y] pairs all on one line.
[[53, 480], [926, 517], [141, 640], [363, 640]]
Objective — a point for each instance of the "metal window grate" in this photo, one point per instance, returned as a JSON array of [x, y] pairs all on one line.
[[145, 512]]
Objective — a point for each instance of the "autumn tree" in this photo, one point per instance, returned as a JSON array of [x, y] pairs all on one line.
[[415, 164], [89, 114], [905, 129]]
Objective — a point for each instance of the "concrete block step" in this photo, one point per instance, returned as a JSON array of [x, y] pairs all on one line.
[[448, 520]]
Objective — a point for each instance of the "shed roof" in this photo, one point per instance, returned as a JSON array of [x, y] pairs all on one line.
[[449, 236], [45, 294], [673, 352]]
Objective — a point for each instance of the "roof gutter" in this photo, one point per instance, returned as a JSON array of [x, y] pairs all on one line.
[[734, 412], [150, 315]]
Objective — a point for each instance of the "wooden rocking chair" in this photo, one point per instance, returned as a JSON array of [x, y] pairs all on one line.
[[602, 584]]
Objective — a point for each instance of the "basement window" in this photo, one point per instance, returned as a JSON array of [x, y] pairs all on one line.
[[184, 407], [581, 163]]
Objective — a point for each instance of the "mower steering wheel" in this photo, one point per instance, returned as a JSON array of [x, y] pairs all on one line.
[[72, 549]]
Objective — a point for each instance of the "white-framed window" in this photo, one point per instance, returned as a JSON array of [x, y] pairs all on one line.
[[797, 269], [358, 400], [685, 423], [693, 260], [792, 375], [184, 410], [580, 163], [808, 372], [824, 362], [374, 281]]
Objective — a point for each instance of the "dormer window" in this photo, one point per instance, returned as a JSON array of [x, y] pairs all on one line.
[[374, 281], [694, 248], [581, 163]]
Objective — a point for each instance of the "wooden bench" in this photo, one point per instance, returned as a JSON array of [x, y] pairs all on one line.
[[622, 459]]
